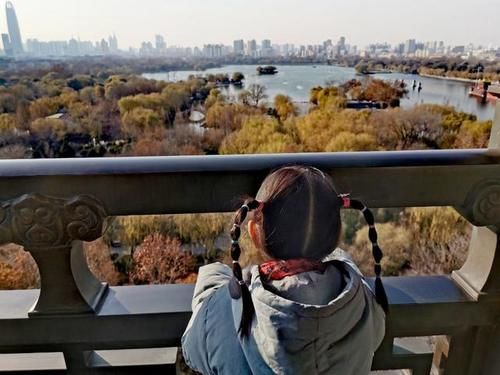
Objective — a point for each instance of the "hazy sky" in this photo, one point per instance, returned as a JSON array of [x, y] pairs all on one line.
[[195, 22]]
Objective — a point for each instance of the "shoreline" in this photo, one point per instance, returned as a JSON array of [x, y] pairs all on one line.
[[455, 79]]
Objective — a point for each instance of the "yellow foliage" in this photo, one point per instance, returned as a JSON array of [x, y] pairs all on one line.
[[44, 107], [18, 270], [318, 128], [395, 241], [7, 123], [201, 229], [260, 134], [229, 116], [49, 128], [141, 119], [285, 107], [437, 224], [347, 141], [474, 134], [133, 229], [100, 263]]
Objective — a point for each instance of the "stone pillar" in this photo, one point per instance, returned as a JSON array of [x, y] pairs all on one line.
[[480, 276]]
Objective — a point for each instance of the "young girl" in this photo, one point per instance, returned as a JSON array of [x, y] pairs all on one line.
[[302, 312]]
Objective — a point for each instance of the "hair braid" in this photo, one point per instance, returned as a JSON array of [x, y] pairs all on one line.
[[380, 294], [237, 287]]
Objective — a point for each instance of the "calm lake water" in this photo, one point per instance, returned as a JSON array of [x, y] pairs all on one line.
[[296, 81]]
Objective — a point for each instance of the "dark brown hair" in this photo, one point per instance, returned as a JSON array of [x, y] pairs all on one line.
[[299, 216]]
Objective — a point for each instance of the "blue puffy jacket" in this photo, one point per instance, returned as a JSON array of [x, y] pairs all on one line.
[[302, 325]]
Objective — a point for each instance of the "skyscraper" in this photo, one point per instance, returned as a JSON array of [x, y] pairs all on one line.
[[113, 43], [410, 46], [160, 44], [16, 42], [7, 48], [252, 48], [239, 47]]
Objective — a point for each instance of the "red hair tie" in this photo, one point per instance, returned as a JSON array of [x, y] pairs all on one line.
[[346, 201], [261, 206]]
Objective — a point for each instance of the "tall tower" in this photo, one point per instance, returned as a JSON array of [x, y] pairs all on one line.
[[16, 42]]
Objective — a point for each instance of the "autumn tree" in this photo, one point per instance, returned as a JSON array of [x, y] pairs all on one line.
[[237, 77], [214, 97], [229, 116], [18, 270], [260, 134], [160, 260], [285, 107], [330, 97], [319, 128], [99, 261], [256, 94], [138, 120], [346, 141], [415, 128], [203, 230]]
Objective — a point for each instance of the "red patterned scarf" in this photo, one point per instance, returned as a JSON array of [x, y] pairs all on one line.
[[279, 269]]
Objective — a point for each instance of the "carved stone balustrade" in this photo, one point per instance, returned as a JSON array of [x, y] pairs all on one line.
[[51, 206]]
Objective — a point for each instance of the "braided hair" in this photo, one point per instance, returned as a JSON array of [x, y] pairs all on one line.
[[237, 286], [293, 196], [380, 295]]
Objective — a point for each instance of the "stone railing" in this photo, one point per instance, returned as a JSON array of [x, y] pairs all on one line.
[[77, 324]]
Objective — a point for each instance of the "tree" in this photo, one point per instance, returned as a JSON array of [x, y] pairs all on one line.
[[160, 260], [331, 97], [204, 230], [99, 260], [44, 107], [18, 270], [399, 129], [237, 77], [7, 124], [347, 141], [260, 134], [215, 96], [141, 119], [228, 116], [285, 107], [23, 116], [257, 93], [49, 128], [362, 68], [318, 128], [244, 97]]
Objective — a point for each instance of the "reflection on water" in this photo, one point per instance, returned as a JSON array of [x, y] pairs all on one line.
[[297, 80]]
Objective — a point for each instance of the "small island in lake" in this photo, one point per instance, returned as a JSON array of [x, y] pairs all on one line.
[[267, 70]]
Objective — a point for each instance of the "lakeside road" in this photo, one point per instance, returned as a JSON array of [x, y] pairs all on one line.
[[456, 79]]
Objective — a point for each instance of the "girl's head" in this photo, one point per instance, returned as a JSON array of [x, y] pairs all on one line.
[[299, 216], [296, 214]]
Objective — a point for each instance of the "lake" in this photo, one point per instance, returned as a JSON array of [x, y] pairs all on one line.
[[296, 81]]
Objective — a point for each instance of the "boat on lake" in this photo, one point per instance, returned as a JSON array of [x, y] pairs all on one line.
[[267, 70]]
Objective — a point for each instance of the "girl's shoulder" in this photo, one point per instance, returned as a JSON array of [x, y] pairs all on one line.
[[344, 258]]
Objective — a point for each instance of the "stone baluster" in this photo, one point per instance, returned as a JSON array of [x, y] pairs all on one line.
[[480, 276], [51, 230]]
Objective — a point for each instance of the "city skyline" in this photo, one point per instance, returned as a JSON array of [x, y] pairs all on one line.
[[180, 22]]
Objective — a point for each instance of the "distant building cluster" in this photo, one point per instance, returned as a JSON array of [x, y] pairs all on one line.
[[414, 48], [329, 50], [73, 47]]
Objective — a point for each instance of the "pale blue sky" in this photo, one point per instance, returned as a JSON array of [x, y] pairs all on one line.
[[195, 22]]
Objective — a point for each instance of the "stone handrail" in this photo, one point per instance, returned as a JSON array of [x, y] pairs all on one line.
[[51, 206]]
